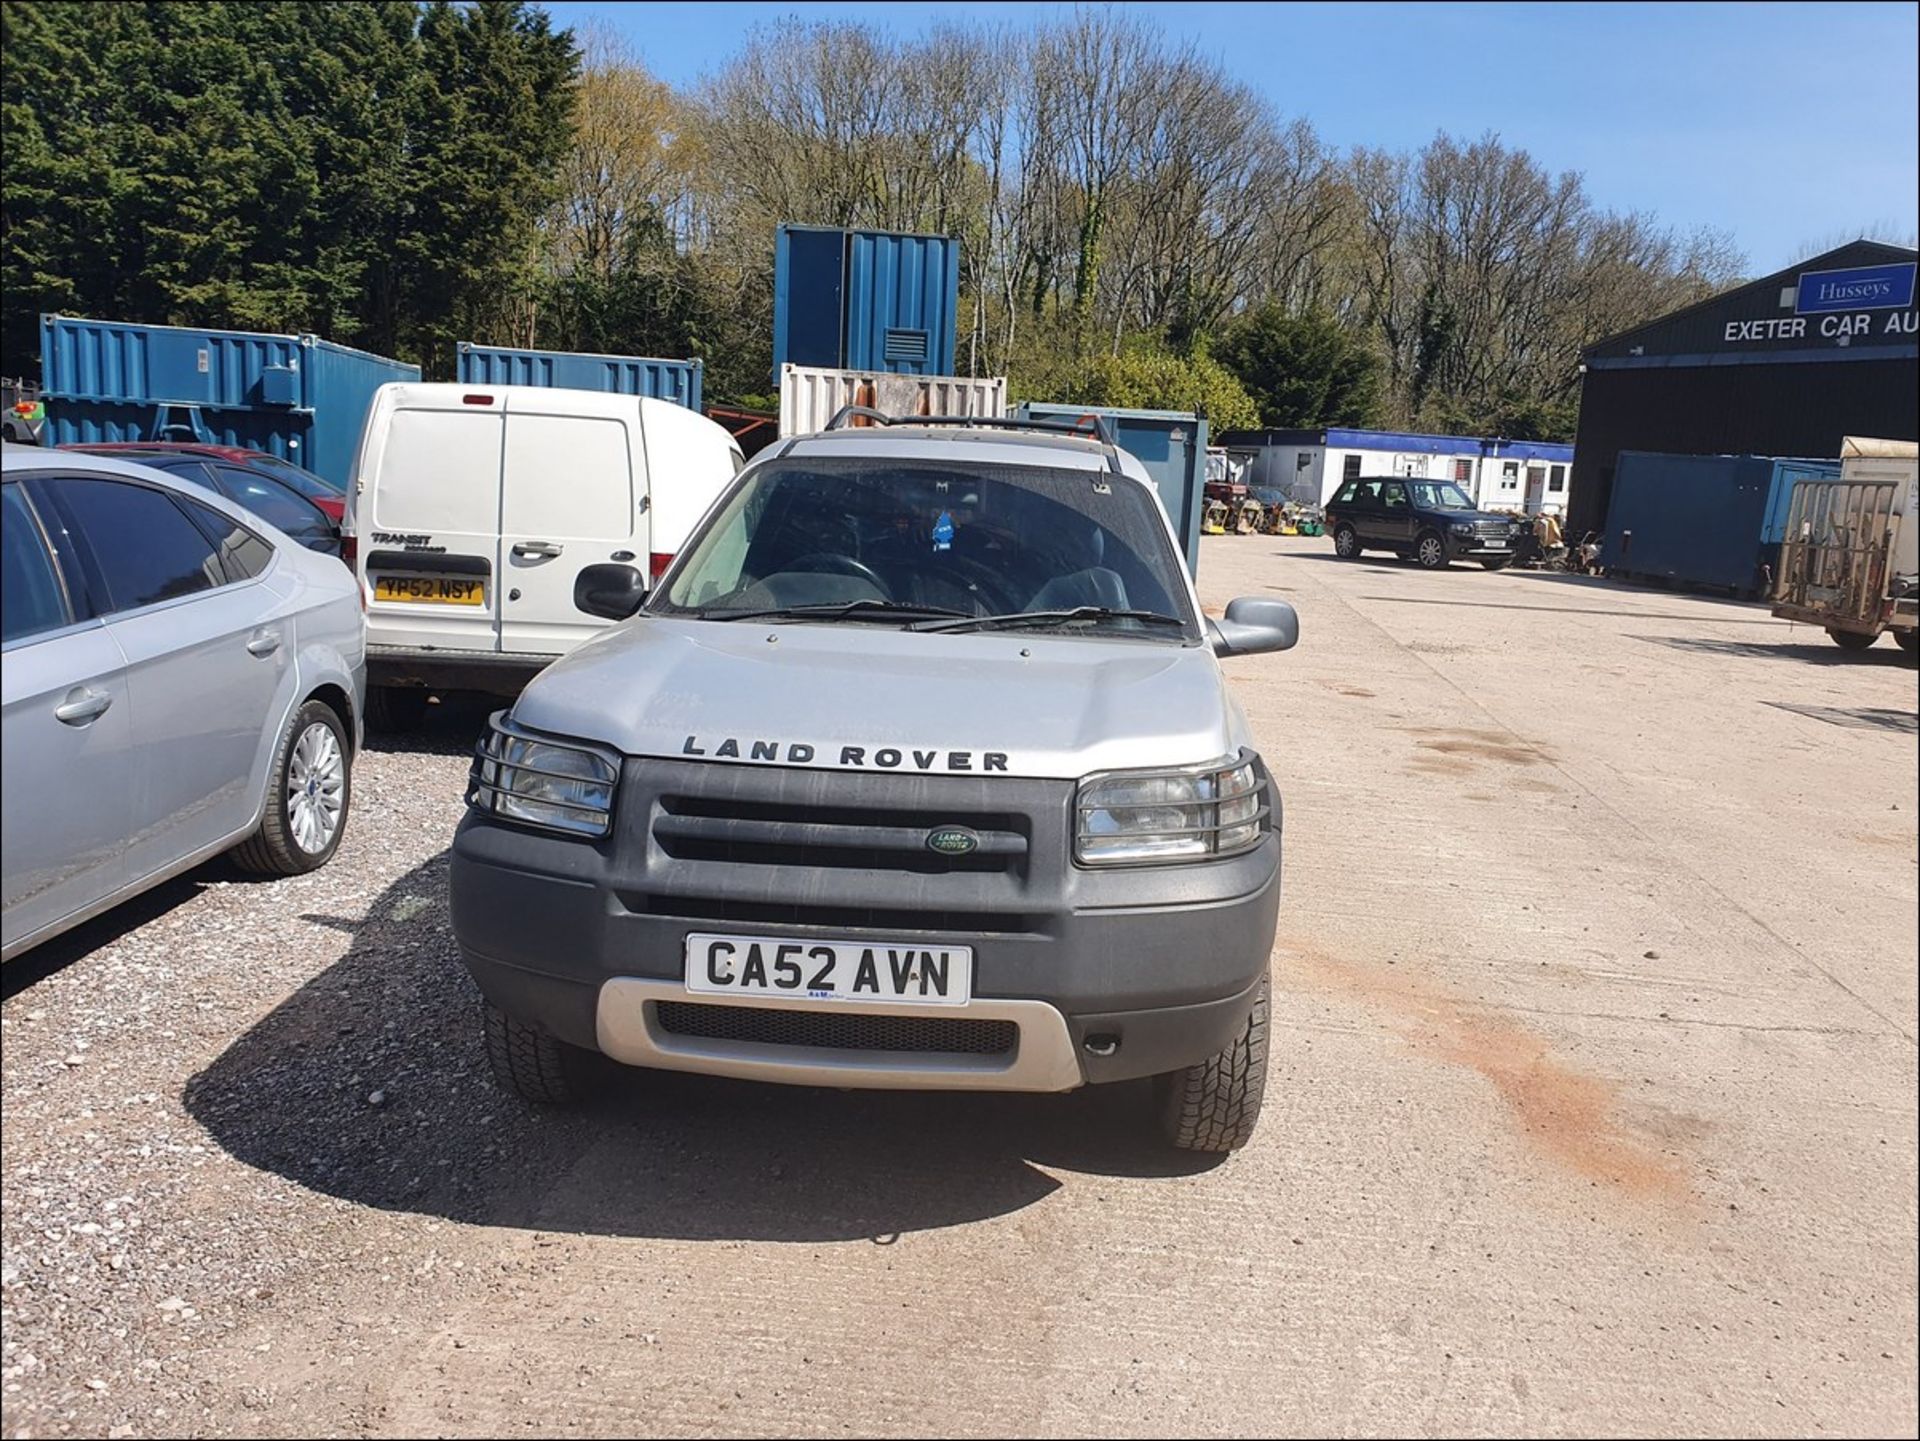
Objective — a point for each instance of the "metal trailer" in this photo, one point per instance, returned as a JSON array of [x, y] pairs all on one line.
[[1171, 444], [1705, 520], [868, 300], [1850, 560], [810, 396], [679, 381], [299, 397]]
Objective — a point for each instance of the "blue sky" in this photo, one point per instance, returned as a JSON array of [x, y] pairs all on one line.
[[1786, 125]]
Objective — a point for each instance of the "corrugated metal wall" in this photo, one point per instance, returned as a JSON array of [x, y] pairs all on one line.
[[676, 380], [1800, 410], [865, 300], [295, 396]]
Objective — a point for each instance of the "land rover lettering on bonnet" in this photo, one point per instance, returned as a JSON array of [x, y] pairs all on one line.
[[799, 753], [753, 830]]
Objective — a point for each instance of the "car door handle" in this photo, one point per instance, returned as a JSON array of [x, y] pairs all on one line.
[[543, 549], [264, 642], [83, 704]]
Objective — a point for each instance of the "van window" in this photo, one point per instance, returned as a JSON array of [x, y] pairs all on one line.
[[567, 476], [439, 473]]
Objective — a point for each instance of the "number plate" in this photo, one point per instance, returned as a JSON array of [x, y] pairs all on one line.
[[830, 970], [1493, 545], [435, 590]]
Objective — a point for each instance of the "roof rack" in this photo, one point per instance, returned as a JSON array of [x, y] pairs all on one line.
[[1090, 425]]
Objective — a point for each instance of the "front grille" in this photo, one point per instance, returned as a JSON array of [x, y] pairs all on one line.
[[901, 923], [732, 830], [838, 1030]]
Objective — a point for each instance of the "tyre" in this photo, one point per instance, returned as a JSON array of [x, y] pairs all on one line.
[[1851, 639], [1430, 551], [532, 1064], [1498, 562], [1213, 1104], [1908, 641], [1346, 543], [395, 708], [309, 791]]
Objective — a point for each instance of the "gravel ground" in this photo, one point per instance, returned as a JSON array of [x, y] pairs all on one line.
[[1581, 1119]]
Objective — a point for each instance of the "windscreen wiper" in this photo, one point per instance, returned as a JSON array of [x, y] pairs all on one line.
[[1053, 617], [835, 610]]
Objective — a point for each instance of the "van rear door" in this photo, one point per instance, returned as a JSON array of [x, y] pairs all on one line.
[[573, 494], [426, 517]]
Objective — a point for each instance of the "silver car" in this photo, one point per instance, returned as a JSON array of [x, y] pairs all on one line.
[[179, 678]]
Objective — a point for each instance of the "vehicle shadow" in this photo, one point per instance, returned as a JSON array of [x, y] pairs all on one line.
[[658, 1154], [63, 950], [452, 724], [1820, 652]]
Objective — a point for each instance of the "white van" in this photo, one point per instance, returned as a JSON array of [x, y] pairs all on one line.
[[478, 517]]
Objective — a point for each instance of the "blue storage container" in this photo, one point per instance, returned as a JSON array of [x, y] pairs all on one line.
[[1171, 444], [676, 380], [1706, 520], [865, 300], [299, 397]]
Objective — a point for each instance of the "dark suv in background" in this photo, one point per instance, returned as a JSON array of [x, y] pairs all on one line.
[[1431, 522]]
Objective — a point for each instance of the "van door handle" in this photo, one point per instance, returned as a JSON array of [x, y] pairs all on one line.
[[543, 549], [264, 642], [83, 704]]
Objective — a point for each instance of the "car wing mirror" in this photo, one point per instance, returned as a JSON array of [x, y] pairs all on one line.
[[612, 592], [1254, 624]]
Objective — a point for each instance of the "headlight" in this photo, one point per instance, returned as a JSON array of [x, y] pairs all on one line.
[[541, 782], [1193, 813], [1461, 527]]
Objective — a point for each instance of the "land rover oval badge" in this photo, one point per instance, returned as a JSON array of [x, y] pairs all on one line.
[[953, 841]]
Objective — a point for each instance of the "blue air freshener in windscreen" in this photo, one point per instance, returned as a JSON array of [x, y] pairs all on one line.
[[943, 531]]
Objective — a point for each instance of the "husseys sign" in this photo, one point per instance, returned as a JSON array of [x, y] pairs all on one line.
[[1871, 303]]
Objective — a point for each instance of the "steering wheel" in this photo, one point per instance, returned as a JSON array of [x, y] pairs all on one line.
[[989, 583], [825, 562]]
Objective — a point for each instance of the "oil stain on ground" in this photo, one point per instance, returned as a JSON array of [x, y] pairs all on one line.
[[1481, 745], [1571, 1117]]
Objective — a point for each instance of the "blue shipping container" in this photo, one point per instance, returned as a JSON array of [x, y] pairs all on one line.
[[299, 397], [676, 380], [1708, 520], [1171, 444], [865, 300]]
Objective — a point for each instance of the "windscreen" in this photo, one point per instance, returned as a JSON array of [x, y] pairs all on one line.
[[1439, 495], [983, 541]]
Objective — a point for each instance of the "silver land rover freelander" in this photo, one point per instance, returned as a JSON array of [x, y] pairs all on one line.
[[917, 769]]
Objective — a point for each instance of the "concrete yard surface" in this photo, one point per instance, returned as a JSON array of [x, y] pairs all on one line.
[[1592, 1107]]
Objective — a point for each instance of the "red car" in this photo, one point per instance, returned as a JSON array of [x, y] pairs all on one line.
[[281, 493]]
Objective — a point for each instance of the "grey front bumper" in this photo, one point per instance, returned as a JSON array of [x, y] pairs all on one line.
[[1109, 975]]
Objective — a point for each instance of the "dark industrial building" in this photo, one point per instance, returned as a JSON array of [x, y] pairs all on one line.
[[1783, 366]]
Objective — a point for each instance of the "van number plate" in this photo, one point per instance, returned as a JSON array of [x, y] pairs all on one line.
[[433, 591], [829, 970]]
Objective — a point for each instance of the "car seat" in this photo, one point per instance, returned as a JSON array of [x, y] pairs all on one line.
[[1091, 583]]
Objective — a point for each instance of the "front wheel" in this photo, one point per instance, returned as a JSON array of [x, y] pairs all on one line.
[[1346, 543], [530, 1063], [1214, 1104], [1851, 639], [308, 792], [1908, 641], [1430, 552]]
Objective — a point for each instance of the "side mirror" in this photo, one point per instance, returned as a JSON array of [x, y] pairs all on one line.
[[1254, 624], [612, 592]]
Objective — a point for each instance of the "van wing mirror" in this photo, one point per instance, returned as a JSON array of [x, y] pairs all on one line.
[[612, 592], [1254, 624]]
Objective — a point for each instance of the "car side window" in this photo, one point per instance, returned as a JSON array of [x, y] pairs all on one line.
[[244, 554], [32, 598], [1367, 492], [272, 502], [1393, 495], [1347, 493], [144, 548]]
